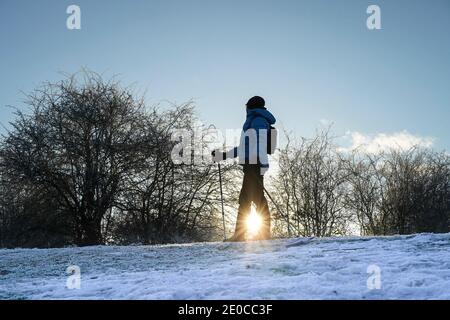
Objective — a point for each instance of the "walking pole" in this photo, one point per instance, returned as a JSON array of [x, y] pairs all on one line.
[[221, 198]]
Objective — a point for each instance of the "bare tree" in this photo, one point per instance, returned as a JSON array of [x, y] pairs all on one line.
[[168, 202], [400, 191], [417, 191], [311, 187], [79, 142], [366, 192]]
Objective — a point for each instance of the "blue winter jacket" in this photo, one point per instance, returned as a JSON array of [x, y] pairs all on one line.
[[253, 143]]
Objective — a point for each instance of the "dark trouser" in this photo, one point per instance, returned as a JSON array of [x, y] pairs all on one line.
[[252, 191]]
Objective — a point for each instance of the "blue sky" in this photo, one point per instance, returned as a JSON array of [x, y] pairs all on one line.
[[314, 61]]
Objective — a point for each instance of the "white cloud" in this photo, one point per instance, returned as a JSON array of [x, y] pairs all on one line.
[[384, 141]]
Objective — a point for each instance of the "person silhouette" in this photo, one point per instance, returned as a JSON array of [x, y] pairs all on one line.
[[253, 156]]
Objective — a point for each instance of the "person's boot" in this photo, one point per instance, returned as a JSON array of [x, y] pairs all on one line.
[[239, 233], [237, 237], [262, 235]]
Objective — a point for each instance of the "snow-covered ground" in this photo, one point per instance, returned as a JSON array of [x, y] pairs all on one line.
[[410, 267]]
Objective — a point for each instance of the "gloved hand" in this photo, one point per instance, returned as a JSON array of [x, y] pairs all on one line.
[[218, 155]]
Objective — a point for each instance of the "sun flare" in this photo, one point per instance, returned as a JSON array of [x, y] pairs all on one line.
[[254, 222]]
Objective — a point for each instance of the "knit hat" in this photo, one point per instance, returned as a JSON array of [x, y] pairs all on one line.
[[256, 102]]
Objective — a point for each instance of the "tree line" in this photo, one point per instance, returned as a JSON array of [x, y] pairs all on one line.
[[321, 190], [90, 163]]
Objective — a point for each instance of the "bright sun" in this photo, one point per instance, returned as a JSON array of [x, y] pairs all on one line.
[[254, 222]]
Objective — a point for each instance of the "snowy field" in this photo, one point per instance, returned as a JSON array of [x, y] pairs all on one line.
[[410, 267]]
